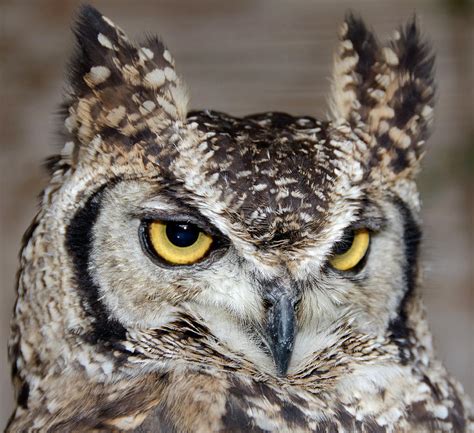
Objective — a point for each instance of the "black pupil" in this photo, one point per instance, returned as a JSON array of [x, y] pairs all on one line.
[[345, 243], [182, 234]]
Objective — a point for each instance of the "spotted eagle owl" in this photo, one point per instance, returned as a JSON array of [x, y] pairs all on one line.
[[199, 272]]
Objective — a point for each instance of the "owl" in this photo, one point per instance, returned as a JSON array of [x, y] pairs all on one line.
[[191, 271]]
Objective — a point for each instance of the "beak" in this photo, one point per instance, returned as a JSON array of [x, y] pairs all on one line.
[[280, 330]]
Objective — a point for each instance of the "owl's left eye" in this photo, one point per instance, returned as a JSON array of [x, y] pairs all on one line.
[[351, 250], [177, 242]]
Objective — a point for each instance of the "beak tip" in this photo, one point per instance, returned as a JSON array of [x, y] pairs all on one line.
[[282, 362]]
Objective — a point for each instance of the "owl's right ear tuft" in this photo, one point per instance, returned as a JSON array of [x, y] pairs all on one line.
[[89, 22], [97, 40], [121, 90]]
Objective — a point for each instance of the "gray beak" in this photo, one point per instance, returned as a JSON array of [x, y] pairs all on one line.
[[280, 330]]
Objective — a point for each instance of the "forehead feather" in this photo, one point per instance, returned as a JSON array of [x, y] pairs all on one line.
[[272, 174]]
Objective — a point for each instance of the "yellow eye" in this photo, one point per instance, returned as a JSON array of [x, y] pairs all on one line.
[[351, 251], [178, 243]]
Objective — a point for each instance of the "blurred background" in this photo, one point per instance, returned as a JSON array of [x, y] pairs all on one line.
[[247, 56]]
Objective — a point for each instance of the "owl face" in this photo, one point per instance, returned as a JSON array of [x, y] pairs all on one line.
[[270, 231], [232, 285], [260, 226]]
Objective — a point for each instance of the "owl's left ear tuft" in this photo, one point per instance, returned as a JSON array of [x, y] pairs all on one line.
[[387, 93]]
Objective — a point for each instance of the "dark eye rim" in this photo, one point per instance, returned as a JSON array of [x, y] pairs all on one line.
[[155, 215], [362, 262], [216, 251], [345, 243]]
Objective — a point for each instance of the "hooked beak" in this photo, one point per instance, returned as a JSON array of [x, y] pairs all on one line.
[[280, 330]]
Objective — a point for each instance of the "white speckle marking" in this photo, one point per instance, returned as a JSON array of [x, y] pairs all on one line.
[[98, 74], [146, 53], [440, 411], [260, 187], [390, 57], [297, 194], [167, 56], [244, 173], [377, 94], [67, 150], [170, 74], [347, 45], [107, 367], [71, 123], [149, 105], [108, 21], [105, 41], [427, 112], [155, 78]]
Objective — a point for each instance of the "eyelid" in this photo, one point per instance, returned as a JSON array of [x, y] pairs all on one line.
[[373, 224], [166, 216]]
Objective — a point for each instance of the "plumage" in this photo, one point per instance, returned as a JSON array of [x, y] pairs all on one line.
[[263, 332]]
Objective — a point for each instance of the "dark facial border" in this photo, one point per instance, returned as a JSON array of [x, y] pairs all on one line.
[[79, 238], [398, 328]]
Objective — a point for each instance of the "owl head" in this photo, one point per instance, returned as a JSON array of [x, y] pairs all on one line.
[[206, 239]]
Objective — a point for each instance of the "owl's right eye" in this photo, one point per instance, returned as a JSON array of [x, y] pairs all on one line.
[[177, 242]]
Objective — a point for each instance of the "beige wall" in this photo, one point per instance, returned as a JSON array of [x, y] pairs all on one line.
[[248, 56]]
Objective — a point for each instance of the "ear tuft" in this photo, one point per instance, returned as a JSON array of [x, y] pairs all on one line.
[[97, 39], [121, 91], [89, 21], [353, 67], [386, 93], [412, 91], [415, 55], [364, 45]]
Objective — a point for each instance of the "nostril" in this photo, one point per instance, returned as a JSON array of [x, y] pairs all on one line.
[[267, 303], [297, 304]]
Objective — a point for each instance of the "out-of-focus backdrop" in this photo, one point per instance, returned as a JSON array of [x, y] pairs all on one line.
[[248, 56]]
